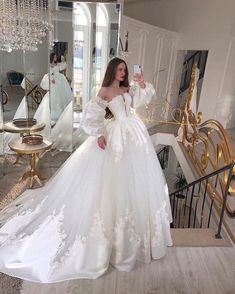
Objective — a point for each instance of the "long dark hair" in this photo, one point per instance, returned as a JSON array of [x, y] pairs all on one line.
[[109, 77], [52, 55], [110, 73]]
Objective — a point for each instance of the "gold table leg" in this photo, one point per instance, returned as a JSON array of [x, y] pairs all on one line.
[[32, 174], [17, 158]]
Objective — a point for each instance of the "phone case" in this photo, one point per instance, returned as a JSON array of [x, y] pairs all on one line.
[[137, 69]]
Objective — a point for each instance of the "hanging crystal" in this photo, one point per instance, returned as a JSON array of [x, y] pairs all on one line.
[[24, 23]]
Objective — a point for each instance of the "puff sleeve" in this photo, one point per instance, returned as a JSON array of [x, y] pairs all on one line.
[[92, 121], [142, 96]]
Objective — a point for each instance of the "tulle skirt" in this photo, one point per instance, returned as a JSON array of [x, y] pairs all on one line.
[[95, 211]]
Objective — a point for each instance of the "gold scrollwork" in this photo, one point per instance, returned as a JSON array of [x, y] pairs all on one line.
[[207, 143], [209, 148]]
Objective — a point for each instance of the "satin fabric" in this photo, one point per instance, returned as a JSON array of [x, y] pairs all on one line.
[[102, 207]]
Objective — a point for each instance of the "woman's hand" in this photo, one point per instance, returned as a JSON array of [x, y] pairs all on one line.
[[101, 142], [139, 78]]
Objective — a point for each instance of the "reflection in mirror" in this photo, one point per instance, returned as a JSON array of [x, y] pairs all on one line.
[[36, 66], [96, 28], [60, 77], [36, 93], [12, 89], [83, 14], [12, 74], [106, 46]]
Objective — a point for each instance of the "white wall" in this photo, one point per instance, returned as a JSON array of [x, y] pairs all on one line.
[[204, 25], [154, 49]]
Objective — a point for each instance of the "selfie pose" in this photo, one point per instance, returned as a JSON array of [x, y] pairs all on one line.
[[107, 205]]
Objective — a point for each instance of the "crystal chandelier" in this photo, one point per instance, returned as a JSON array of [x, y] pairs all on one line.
[[24, 23]]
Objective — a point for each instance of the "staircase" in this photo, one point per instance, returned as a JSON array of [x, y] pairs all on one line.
[[198, 214]]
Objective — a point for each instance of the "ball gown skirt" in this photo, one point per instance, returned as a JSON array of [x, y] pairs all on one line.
[[101, 207]]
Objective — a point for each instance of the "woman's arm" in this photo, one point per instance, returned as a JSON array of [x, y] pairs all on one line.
[[141, 91], [93, 118]]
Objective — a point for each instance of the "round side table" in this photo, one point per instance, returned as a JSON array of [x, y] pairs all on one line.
[[34, 151], [9, 127]]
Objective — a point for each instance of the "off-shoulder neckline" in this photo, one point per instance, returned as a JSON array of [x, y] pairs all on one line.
[[114, 97]]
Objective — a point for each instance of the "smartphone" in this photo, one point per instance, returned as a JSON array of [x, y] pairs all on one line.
[[137, 69]]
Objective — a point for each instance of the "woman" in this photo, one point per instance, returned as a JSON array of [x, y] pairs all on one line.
[[60, 92], [63, 65], [53, 61], [108, 204]]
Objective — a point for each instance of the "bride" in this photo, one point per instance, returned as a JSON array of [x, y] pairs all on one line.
[[107, 204]]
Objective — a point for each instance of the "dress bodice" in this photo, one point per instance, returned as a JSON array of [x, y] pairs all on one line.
[[120, 106], [93, 121]]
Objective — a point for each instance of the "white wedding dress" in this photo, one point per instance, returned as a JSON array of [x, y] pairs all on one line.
[[60, 92], [101, 207]]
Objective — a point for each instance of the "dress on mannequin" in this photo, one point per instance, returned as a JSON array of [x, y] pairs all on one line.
[[101, 207], [61, 133], [60, 94]]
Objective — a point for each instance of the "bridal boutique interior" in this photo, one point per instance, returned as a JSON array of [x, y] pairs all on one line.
[[186, 50]]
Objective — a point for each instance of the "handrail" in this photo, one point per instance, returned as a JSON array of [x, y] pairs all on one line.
[[181, 200], [33, 96], [3, 94], [34, 88], [205, 177], [162, 155]]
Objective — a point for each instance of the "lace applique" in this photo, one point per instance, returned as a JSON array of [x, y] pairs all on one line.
[[124, 230], [97, 231], [19, 220], [161, 218], [51, 220], [126, 223], [146, 240]]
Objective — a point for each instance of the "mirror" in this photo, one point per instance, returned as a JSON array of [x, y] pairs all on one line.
[[35, 67], [14, 104], [60, 79], [96, 40], [86, 36], [12, 74]]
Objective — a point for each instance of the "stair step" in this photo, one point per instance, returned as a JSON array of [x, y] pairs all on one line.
[[197, 238]]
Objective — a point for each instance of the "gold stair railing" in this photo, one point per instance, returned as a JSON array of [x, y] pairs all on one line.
[[209, 148], [206, 143]]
